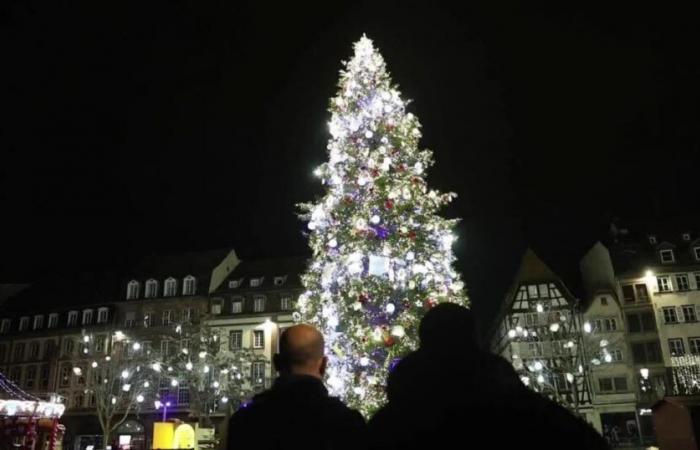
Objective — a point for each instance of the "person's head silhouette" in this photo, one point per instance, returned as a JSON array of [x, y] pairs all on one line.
[[448, 327], [301, 352]]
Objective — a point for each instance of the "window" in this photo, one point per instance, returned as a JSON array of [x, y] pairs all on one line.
[[148, 320], [636, 322], [604, 301], [78, 399], [646, 352], [53, 321], [279, 281], [164, 348], [694, 343], [610, 324], [151, 289], [132, 290], [30, 380], [689, 313], [44, 377], [670, 315], [696, 253], [23, 323], [642, 292], [164, 389], [620, 384], [64, 376], [68, 347], [183, 393], [258, 339], [258, 372], [92, 401], [235, 340], [628, 293], [605, 384], [666, 256], [675, 346], [286, 303], [87, 317], [38, 322], [535, 348], [216, 306], [3, 353], [648, 322], [102, 315], [167, 316], [72, 319], [256, 282], [187, 315], [100, 344], [34, 350], [16, 375], [664, 284], [616, 355], [170, 287], [686, 236], [652, 239], [259, 303], [235, 284], [237, 306], [18, 352], [5, 326], [130, 319], [189, 285], [682, 282]]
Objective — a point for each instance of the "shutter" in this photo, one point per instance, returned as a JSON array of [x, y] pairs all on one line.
[[679, 314]]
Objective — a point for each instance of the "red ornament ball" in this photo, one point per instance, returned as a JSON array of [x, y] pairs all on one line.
[[389, 204], [389, 341]]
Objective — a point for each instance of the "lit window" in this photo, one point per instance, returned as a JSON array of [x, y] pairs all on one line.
[[696, 253], [235, 284], [664, 284], [642, 292], [216, 306], [258, 339], [258, 372], [286, 303], [189, 285], [102, 315], [151, 288], [132, 290], [259, 303], [164, 347], [53, 320], [23, 323], [237, 306], [72, 319], [38, 322], [682, 282], [170, 287], [670, 315], [256, 282], [675, 346], [87, 317], [235, 340], [666, 256]]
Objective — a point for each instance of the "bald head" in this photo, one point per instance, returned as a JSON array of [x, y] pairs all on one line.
[[301, 351]]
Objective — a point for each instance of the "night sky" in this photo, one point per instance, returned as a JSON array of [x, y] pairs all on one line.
[[196, 125]]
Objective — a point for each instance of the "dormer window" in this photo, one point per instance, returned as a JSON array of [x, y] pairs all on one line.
[[189, 285], [72, 319], [38, 322], [132, 290], [279, 281], [170, 287], [102, 315], [696, 253], [23, 323], [5, 326], [87, 317], [666, 256], [686, 236], [256, 282], [235, 284], [53, 320], [151, 289], [652, 239]]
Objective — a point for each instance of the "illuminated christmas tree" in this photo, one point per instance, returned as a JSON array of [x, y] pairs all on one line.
[[382, 256]]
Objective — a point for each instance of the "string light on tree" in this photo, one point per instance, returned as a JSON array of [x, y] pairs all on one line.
[[382, 256]]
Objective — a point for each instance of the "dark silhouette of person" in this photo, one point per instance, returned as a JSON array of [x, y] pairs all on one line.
[[297, 412], [452, 394]]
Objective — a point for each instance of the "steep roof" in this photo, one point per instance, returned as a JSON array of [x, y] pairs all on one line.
[[180, 264], [292, 267]]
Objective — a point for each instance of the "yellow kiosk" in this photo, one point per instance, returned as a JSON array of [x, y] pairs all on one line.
[[172, 435]]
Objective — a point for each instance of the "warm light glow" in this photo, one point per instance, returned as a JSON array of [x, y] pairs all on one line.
[[644, 372]]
